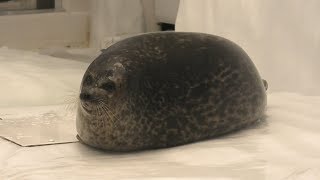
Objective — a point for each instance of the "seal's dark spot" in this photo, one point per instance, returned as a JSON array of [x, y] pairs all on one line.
[[199, 90], [109, 86], [109, 73]]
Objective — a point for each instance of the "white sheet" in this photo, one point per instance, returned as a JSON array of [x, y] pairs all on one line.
[[286, 145]]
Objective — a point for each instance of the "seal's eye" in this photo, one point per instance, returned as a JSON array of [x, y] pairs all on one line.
[[109, 86], [88, 80]]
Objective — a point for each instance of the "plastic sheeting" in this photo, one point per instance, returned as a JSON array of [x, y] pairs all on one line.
[[281, 37], [286, 145]]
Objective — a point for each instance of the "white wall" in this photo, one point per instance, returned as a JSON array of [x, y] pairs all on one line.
[[76, 5], [95, 22], [42, 30]]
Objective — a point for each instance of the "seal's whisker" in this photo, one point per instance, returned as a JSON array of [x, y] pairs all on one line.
[[72, 106], [100, 109], [106, 111], [112, 116], [106, 106], [71, 102], [97, 112], [97, 108], [102, 121], [103, 107], [71, 96]]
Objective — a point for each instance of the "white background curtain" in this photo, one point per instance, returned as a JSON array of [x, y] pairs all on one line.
[[112, 20], [281, 37]]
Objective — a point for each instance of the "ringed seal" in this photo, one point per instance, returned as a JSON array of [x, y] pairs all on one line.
[[166, 89]]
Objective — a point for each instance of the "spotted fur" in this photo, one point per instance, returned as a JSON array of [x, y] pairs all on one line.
[[168, 89]]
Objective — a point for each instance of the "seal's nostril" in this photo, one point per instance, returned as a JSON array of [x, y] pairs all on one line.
[[85, 96]]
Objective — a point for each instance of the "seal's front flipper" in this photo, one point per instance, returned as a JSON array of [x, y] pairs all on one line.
[[80, 140], [265, 84]]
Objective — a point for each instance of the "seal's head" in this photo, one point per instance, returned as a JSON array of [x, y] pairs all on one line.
[[103, 98], [101, 89]]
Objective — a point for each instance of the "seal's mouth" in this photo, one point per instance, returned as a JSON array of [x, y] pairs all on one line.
[[85, 107], [86, 101]]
